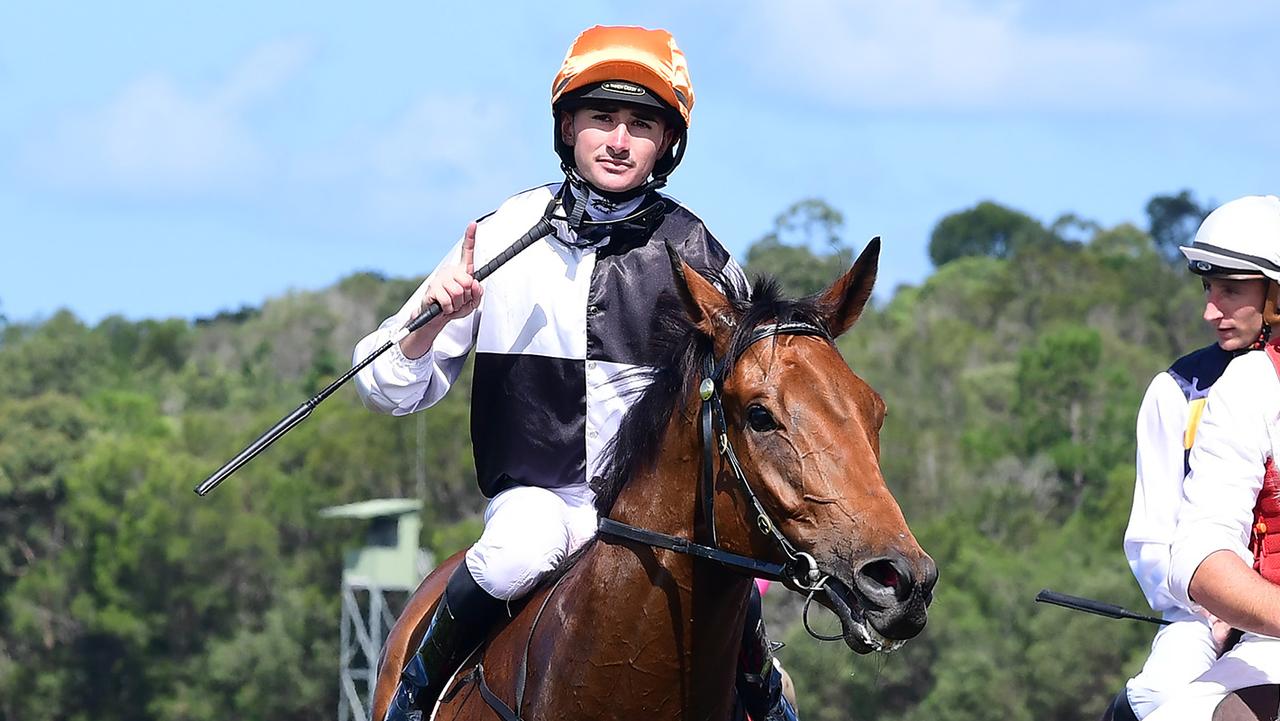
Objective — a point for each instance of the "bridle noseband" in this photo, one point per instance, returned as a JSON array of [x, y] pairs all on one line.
[[801, 569]]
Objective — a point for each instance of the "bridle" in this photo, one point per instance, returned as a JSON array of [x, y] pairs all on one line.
[[800, 570]]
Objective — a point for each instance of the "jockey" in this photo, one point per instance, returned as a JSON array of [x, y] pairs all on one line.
[[1221, 554], [1167, 422], [558, 334]]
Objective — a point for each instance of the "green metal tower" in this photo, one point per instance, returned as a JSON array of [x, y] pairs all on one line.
[[389, 563]]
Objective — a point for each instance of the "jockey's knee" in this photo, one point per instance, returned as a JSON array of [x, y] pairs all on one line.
[[523, 541], [1143, 699], [509, 572]]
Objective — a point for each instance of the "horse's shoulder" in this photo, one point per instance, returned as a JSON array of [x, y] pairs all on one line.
[[1256, 703]]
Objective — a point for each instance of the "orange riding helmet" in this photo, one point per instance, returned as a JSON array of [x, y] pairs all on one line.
[[626, 64]]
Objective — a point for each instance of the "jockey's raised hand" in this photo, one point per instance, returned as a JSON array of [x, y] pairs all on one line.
[[455, 289]]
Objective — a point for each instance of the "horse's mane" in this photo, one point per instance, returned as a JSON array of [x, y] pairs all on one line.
[[683, 352]]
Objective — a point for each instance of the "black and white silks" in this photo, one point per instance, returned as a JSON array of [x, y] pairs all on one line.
[[560, 337]]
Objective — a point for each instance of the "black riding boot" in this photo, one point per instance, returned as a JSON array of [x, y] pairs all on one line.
[[464, 616], [1120, 710], [759, 678]]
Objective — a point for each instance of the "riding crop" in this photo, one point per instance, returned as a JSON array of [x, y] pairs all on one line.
[[1089, 605], [542, 229]]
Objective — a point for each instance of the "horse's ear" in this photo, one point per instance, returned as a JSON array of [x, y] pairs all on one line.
[[843, 302], [707, 307]]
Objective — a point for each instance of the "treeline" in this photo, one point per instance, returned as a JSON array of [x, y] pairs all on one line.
[[1012, 374]]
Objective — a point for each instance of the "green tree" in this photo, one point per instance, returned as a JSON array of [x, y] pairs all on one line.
[[58, 355], [987, 229], [788, 250], [164, 343], [1173, 221], [1058, 392]]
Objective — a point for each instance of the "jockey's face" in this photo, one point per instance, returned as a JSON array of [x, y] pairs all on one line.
[[1234, 309], [615, 146]]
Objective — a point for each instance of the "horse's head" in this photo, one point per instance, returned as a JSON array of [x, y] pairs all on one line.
[[806, 432]]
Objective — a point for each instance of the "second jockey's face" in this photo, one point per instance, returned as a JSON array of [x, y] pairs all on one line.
[[615, 146], [1233, 308]]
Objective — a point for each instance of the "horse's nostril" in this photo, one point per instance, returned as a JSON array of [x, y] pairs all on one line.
[[883, 573], [886, 576]]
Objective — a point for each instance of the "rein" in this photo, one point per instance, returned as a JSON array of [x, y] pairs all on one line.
[[801, 569]]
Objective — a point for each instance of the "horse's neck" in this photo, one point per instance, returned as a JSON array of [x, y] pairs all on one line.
[[663, 498], [643, 632]]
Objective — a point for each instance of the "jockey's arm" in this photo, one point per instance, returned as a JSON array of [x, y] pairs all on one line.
[[418, 371], [1229, 589], [1210, 559], [1157, 492]]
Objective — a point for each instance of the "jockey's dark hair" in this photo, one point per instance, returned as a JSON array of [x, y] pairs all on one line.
[[683, 352]]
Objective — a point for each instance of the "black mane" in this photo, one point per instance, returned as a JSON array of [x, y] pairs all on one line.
[[683, 351]]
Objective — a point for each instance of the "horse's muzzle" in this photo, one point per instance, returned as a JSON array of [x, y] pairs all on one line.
[[885, 604], [896, 592]]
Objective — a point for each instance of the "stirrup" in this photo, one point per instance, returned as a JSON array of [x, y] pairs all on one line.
[[782, 711], [404, 703]]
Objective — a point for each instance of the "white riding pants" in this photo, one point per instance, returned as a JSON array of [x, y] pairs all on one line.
[[1180, 652], [528, 532], [1252, 662]]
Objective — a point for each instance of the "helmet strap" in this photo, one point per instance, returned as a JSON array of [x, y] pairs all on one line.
[[576, 194], [675, 156], [575, 179]]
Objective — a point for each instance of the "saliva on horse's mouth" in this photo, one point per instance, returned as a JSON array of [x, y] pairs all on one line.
[[858, 633]]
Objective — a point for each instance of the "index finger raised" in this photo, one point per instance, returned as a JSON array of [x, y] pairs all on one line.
[[469, 248]]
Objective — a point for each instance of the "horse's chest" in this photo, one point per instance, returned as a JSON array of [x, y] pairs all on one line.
[[623, 652]]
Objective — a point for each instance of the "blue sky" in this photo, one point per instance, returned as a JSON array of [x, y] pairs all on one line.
[[177, 159]]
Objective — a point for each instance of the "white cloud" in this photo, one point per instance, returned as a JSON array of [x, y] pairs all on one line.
[[445, 154], [961, 55], [157, 137]]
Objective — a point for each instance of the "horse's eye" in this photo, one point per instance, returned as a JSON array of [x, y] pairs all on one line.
[[759, 420]]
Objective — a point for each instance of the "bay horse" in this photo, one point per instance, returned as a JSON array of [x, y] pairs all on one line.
[[645, 622]]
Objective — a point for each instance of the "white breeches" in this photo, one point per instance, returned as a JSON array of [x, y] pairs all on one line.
[[1180, 652], [528, 532], [1252, 662]]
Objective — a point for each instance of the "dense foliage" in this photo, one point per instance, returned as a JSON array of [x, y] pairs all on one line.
[[1012, 375]]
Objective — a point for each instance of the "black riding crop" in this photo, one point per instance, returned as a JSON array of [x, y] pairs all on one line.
[[1089, 605], [542, 229]]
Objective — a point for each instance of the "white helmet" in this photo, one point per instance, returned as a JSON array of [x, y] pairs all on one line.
[[1239, 239]]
